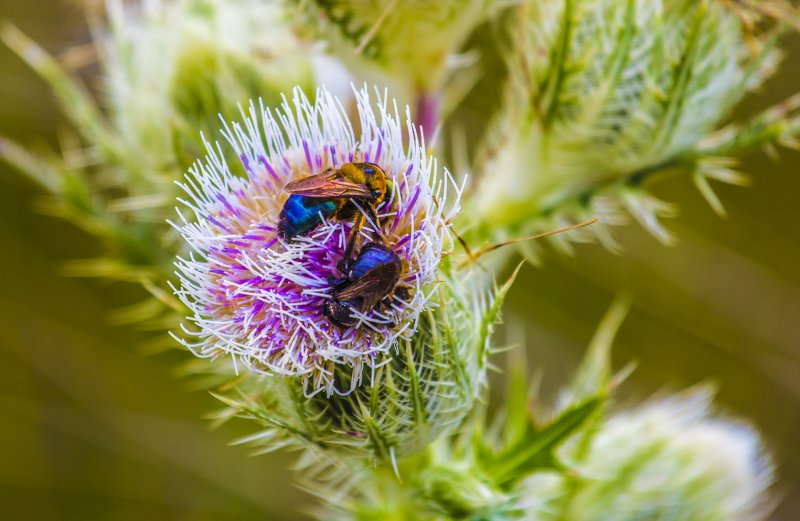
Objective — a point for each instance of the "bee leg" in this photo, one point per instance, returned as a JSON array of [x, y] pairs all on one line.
[[390, 325], [386, 306], [401, 293], [373, 214], [344, 264], [337, 283]]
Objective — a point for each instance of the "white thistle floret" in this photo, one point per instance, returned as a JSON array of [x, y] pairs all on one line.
[[670, 458], [258, 298]]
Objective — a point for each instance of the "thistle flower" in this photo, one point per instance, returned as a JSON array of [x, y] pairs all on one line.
[[186, 62], [604, 93], [259, 298], [667, 459]]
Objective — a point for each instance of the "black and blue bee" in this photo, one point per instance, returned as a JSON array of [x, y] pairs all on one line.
[[372, 278], [333, 194]]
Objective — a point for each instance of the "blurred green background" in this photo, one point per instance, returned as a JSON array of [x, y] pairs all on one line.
[[94, 428]]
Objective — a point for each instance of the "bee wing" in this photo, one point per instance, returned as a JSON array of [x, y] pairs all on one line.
[[327, 184], [372, 287]]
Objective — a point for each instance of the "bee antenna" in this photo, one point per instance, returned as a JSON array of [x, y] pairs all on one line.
[[474, 256], [464, 245]]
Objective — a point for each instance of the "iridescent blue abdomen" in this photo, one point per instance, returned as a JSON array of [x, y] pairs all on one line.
[[373, 255], [301, 214]]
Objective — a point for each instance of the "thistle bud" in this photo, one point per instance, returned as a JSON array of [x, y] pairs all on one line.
[[186, 62], [667, 459], [419, 391], [601, 93], [460, 492]]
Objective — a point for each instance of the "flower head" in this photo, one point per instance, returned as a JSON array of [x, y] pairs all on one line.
[[171, 67], [666, 459], [259, 297], [604, 93]]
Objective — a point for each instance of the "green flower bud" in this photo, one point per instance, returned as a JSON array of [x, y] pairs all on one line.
[[173, 67], [601, 92], [413, 395], [666, 460], [458, 492]]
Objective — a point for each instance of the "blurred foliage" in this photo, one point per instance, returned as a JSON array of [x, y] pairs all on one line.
[[94, 430]]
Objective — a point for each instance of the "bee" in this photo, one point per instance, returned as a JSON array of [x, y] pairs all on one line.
[[335, 193], [372, 277]]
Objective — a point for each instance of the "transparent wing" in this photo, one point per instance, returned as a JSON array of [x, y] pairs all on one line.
[[327, 184], [372, 287]]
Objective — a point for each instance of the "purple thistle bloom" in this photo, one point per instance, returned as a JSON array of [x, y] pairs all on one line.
[[259, 298]]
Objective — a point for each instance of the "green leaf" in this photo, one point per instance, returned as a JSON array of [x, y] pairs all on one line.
[[492, 315], [594, 373], [516, 420], [536, 449]]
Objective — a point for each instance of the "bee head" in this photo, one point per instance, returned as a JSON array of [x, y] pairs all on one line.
[[339, 313], [376, 181]]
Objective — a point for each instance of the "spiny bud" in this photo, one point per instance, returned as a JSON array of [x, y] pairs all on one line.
[[669, 458], [460, 492], [174, 67], [417, 392], [601, 92]]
